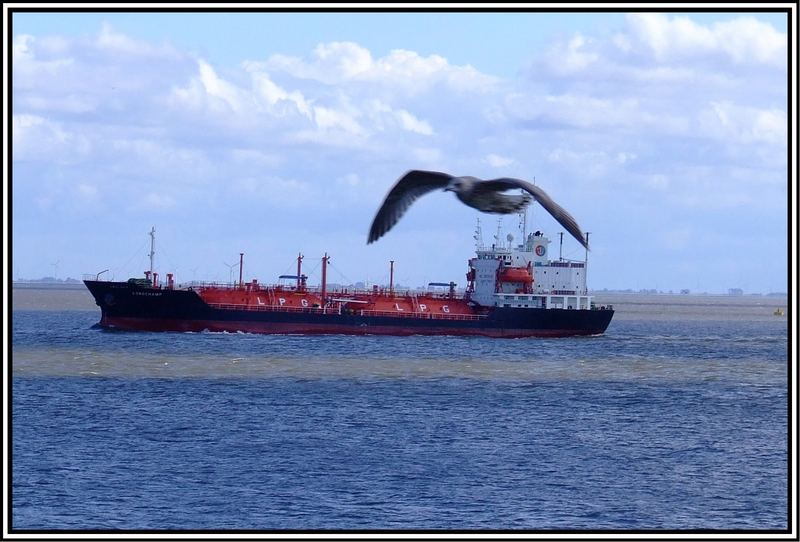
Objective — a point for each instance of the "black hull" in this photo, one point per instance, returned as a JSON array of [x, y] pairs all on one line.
[[131, 307]]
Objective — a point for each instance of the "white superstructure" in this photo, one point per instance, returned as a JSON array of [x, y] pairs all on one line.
[[524, 276]]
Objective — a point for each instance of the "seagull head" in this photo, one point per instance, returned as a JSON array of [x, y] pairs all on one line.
[[459, 185]]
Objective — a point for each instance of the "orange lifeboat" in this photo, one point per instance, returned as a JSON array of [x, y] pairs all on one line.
[[515, 274]]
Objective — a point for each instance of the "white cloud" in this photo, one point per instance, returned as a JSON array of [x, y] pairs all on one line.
[[586, 111], [331, 63], [224, 96], [658, 181], [277, 100], [770, 126], [427, 155], [668, 79], [116, 42], [749, 40], [167, 165], [413, 124], [87, 192], [351, 179], [495, 160], [156, 200], [328, 119], [572, 56], [273, 191], [108, 75], [625, 157], [68, 103], [29, 69], [109, 39], [256, 157], [334, 120], [741, 124], [742, 40], [342, 59], [586, 163], [341, 62], [38, 138], [409, 67]]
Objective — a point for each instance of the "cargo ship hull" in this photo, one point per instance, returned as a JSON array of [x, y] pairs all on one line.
[[130, 307]]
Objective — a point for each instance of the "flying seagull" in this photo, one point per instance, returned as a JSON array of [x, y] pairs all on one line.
[[483, 195]]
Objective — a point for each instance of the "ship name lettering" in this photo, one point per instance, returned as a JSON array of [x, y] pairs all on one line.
[[281, 301], [397, 307], [445, 308], [304, 302], [151, 294], [422, 307], [258, 299]]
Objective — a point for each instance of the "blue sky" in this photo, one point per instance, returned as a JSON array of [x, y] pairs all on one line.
[[277, 133]]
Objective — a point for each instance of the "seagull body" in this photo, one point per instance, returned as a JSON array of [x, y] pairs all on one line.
[[483, 195]]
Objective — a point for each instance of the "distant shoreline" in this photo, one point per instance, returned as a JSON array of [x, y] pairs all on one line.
[[48, 285], [691, 294], [52, 298]]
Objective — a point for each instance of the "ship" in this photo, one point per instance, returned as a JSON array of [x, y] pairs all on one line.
[[512, 291]]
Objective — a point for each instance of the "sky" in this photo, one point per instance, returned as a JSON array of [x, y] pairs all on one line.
[[273, 134]]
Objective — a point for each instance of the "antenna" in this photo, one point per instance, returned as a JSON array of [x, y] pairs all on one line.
[[478, 236], [499, 227]]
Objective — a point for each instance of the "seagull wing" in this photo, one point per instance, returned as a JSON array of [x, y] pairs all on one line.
[[408, 188], [558, 212]]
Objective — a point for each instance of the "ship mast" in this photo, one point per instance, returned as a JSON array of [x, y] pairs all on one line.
[[391, 277], [325, 260], [586, 264], [152, 248], [299, 268], [524, 237], [241, 263]]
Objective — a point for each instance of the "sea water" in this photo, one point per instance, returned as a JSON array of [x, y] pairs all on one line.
[[676, 418]]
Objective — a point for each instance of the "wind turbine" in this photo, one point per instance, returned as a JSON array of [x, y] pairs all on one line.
[[55, 265], [230, 269]]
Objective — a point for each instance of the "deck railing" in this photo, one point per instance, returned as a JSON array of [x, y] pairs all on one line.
[[271, 308], [337, 310], [425, 315]]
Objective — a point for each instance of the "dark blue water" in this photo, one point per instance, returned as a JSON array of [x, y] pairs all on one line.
[[656, 425]]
